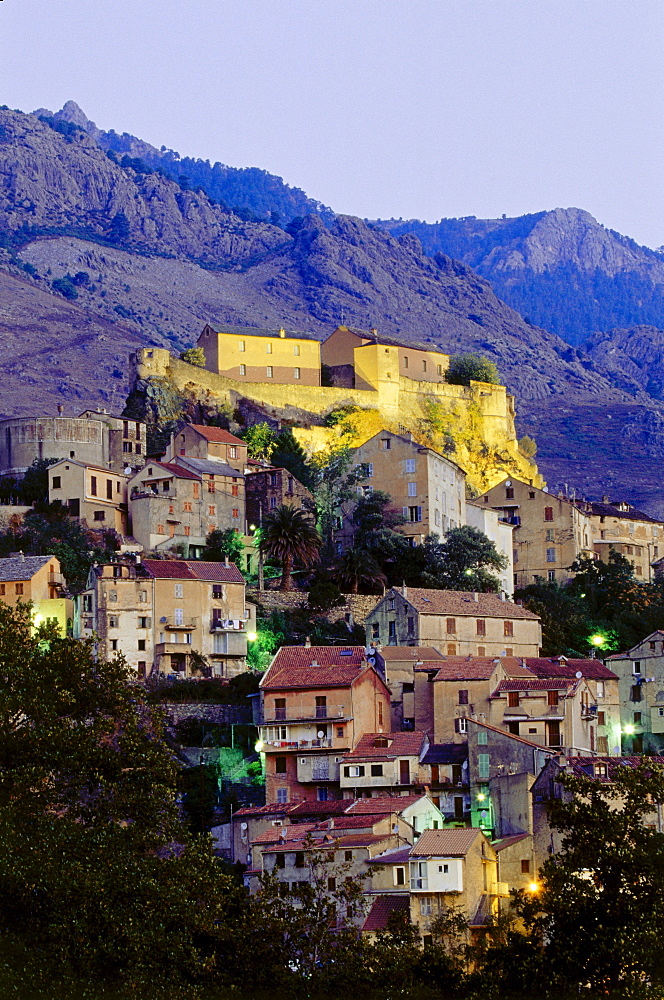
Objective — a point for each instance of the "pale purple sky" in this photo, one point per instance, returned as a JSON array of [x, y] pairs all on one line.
[[379, 108]]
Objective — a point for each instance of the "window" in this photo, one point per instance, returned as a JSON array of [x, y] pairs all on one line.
[[299, 859], [551, 575], [144, 622], [296, 372], [600, 689], [268, 348], [410, 465], [386, 444], [340, 732], [552, 698], [93, 485], [635, 693], [160, 529], [321, 707], [138, 448], [637, 719], [241, 346], [217, 591], [400, 875], [282, 796], [212, 511], [525, 866], [280, 765], [637, 666], [509, 493], [179, 590], [331, 883], [113, 594], [461, 725], [424, 366], [412, 489], [243, 369], [550, 555], [411, 626], [114, 645], [548, 513], [210, 485], [451, 626], [480, 626], [18, 588], [187, 531], [414, 514], [235, 512], [601, 718], [296, 349], [392, 630], [179, 616], [376, 770], [513, 699], [483, 761], [141, 645], [458, 807], [481, 651], [99, 515], [508, 628], [269, 371], [550, 535], [112, 621], [375, 630], [109, 489], [354, 771], [451, 649], [187, 507], [463, 697], [57, 482], [405, 361], [482, 737], [196, 486], [443, 869]]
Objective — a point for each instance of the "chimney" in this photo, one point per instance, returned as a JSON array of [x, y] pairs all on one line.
[[21, 556], [61, 409], [282, 332], [226, 562], [314, 663], [307, 642], [476, 596], [404, 589]]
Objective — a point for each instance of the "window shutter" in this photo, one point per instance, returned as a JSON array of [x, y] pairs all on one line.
[[405, 512], [483, 765]]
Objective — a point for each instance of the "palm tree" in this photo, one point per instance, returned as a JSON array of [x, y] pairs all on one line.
[[358, 567], [288, 535]]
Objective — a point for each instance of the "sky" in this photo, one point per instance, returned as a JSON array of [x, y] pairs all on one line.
[[378, 108]]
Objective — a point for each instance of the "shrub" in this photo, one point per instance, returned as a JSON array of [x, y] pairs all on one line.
[[465, 368], [65, 286]]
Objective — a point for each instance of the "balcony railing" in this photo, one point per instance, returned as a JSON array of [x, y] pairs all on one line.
[[227, 625], [332, 714], [170, 625], [297, 744]]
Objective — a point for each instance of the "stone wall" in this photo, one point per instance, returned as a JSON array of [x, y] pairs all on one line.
[[357, 605], [207, 712]]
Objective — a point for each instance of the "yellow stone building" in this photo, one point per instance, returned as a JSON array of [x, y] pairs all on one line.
[[90, 492], [38, 580], [252, 355]]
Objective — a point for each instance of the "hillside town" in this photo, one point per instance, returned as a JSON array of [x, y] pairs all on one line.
[[417, 748]]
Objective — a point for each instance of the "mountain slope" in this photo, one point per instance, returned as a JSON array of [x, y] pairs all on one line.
[[562, 269]]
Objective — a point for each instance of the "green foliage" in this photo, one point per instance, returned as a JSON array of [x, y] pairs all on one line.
[[33, 487], [466, 367], [261, 649], [527, 446], [600, 910], [118, 231], [334, 489], [290, 538], [566, 624], [324, 594], [220, 545], [65, 286], [462, 562], [289, 454], [194, 356], [232, 692], [261, 441], [357, 569]]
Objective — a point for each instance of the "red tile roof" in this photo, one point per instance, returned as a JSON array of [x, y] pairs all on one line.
[[218, 435], [360, 822], [283, 834], [177, 471], [535, 684], [381, 910], [500, 845], [330, 840], [461, 602], [314, 666], [401, 744], [407, 653], [394, 856], [445, 843], [478, 668], [513, 736], [270, 809], [554, 667], [383, 804], [580, 766], [180, 569], [314, 808]]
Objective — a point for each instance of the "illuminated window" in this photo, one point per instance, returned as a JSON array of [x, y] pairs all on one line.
[[508, 628], [269, 371], [243, 369], [296, 372], [241, 346]]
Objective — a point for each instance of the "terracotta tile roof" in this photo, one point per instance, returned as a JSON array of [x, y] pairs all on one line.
[[383, 804], [328, 841], [427, 666], [407, 653], [180, 569], [360, 822], [585, 766], [380, 338], [500, 845], [536, 684], [209, 467], [471, 668], [270, 809], [283, 834], [513, 736], [461, 602], [217, 435], [554, 667], [401, 744], [177, 470], [446, 753], [314, 666], [382, 908], [315, 808], [445, 843], [612, 510]]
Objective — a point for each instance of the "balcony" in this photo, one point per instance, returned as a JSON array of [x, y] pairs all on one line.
[[227, 625], [589, 711], [297, 744], [171, 625], [283, 715]]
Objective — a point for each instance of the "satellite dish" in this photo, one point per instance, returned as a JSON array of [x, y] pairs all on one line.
[[578, 675], [321, 734], [508, 482], [128, 470], [545, 489]]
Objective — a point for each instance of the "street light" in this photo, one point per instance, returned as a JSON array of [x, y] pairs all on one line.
[[628, 730], [252, 636]]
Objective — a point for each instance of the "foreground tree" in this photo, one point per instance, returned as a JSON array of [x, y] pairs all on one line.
[[226, 544], [289, 537], [600, 908], [462, 562]]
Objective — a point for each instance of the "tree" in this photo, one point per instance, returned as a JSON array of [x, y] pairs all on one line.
[[466, 367], [194, 356], [599, 910], [221, 545], [289, 536], [463, 561], [357, 568], [65, 286], [118, 230], [261, 441], [334, 488], [566, 627], [34, 485], [289, 454]]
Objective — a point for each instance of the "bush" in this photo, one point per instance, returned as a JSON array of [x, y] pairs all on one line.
[[194, 356], [65, 286], [465, 368]]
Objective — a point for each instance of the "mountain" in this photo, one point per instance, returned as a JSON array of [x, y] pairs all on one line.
[[561, 269], [97, 258], [253, 194]]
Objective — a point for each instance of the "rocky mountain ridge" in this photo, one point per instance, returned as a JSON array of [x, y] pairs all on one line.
[[156, 262]]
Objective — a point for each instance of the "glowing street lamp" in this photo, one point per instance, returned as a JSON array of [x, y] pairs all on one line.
[[597, 641], [628, 730], [533, 887], [252, 636]]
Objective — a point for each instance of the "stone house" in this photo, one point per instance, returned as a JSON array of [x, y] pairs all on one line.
[[355, 358], [247, 354], [175, 505], [38, 580], [169, 616], [550, 532], [640, 673], [399, 663], [457, 623], [269, 488], [604, 689], [211, 444], [448, 781], [427, 489], [316, 702], [95, 437], [619, 527], [384, 764], [92, 493], [557, 712]]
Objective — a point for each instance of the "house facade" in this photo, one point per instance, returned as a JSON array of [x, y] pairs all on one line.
[[37, 579], [457, 623], [640, 673], [619, 527], [384, 764], [92, 493], [316, 702], [358, 359], [269, 488], [247, 354]]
